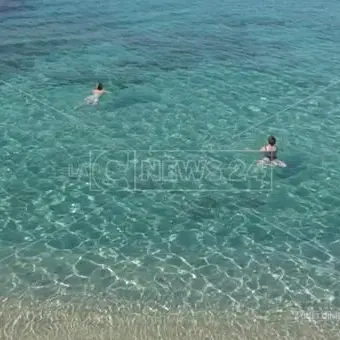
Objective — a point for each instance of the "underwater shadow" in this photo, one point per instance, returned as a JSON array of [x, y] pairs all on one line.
[[294, 166]]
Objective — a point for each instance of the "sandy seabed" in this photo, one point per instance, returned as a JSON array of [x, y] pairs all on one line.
[[52, 320]]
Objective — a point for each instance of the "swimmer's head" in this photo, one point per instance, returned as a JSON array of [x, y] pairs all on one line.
[[271, 140], [100, 86]]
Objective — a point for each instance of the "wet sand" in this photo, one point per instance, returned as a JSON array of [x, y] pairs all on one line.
[[41, 320]]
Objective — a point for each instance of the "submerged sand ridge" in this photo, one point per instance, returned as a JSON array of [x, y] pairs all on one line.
[[52, 320]]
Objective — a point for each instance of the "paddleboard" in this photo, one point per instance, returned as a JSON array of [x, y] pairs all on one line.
[[275, 162]]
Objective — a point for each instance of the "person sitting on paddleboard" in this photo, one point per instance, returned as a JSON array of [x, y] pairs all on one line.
[[270, 154], [270, 150]]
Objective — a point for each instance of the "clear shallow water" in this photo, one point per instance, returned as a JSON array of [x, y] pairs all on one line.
[[195, 84]]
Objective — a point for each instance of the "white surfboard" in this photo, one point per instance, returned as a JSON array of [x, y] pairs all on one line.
[[275, 162]]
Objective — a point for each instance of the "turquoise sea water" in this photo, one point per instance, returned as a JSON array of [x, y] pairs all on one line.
[[153, 196]]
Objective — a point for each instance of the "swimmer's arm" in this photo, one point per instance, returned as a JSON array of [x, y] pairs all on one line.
[[94, 91], [103, 91]]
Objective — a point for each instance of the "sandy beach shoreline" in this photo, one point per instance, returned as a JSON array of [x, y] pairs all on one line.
[[35, 320]]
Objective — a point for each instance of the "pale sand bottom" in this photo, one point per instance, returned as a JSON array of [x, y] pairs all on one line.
[[55, 320]]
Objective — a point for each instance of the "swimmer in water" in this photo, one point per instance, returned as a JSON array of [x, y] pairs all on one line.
[[99, 90], [270, 153], [96, 94]]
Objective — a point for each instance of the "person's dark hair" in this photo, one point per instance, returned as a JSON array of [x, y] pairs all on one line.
[[271, 140], [100, 87]]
